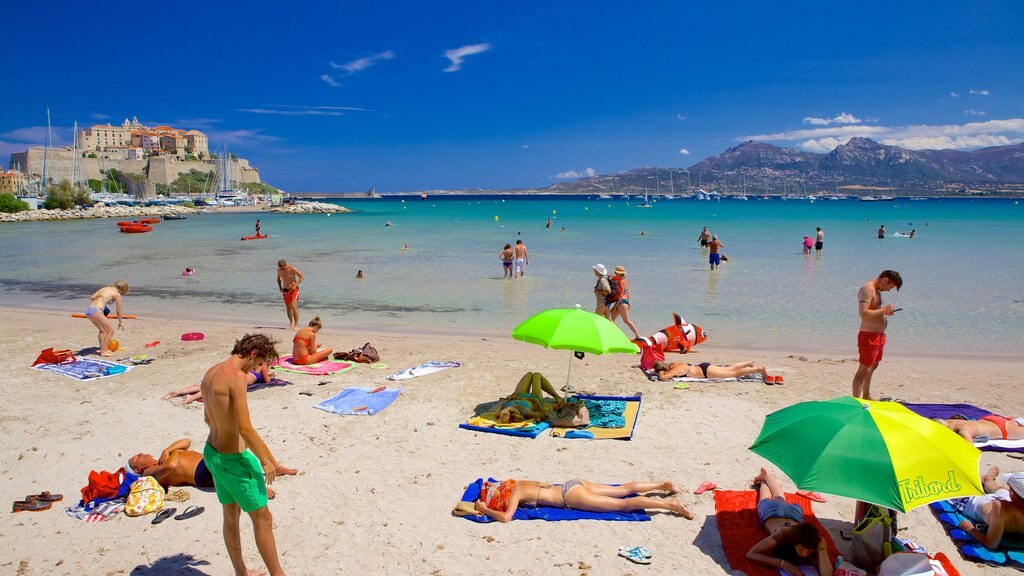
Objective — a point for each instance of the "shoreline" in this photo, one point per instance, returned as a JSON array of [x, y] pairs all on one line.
[[95, 212]]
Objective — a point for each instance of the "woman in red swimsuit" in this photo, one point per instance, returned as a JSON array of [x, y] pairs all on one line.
[[304, 348]]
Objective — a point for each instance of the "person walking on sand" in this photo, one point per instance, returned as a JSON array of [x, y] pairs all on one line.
[[601, 290], [96, 314], [619, 305], [240, 462], [704, 237], [714, 258], [288, 280], [881, 231], [506, 256], [873, 321], [522, 258], [819, 240]]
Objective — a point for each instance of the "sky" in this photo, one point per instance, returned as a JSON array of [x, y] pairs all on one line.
[[406, 96]]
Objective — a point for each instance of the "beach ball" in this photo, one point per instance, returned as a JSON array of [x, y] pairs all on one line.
[[114, 345]]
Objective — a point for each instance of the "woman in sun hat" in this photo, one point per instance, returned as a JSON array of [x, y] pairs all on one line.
[[618, 300]]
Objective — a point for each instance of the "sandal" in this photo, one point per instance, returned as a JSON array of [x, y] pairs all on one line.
[[190, 512], [163, 515], [704, 487], [644, 551], [637, 555], [769, 380], [780, 380], [178, 495], [813, 496], [47, 497], [31, 504]]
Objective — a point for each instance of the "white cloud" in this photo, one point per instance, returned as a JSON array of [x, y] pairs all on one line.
[[98, 116], [975, 113], [916, 137], [360, 64], [330, 80], [680, 116], [574, 174], [981, 92], [684, 151], [525, 146], [36, 136], [297, 110], [457, 55], [841, 118], [954, 94]]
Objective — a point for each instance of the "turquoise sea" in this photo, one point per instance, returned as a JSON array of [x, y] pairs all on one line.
[[963, 272]]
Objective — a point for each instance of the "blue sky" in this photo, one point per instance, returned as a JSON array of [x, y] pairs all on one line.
[[324, 96]]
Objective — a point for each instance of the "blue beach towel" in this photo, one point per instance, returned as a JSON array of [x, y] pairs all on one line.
[[472, 494], [525, 432], [1010, 553], [346, 401], [947, 411], [86, 369]]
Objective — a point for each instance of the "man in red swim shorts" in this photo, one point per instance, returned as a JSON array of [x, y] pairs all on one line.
[[873, 320], [288, 280]]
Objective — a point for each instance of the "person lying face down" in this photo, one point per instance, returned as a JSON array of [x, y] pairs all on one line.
[[991, 427], [667, 370], [791, 541], [500, 500]]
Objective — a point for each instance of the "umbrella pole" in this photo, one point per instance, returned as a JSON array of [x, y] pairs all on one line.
[[568, 375]]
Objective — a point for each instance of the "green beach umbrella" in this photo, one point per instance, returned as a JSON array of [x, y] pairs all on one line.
[[877, 452], [574, 329]]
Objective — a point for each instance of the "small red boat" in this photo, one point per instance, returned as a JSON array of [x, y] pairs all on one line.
[[150, 220], [136, 229], [125, 223]]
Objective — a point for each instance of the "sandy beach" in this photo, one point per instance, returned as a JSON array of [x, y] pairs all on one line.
[[375, 492]]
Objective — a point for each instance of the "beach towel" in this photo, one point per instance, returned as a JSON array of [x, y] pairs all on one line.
[[359, 401], [98, 513], [86, 369], [1010, 553], [740, 529], [946, 411], [653, 377], [319, 369], [472, 493], [630, 413], [424, 369], [522, 429]]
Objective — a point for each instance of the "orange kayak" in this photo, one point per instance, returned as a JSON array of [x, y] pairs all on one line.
[[259, 237]]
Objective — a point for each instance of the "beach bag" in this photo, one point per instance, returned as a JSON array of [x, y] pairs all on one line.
[[844, 568], [365, 355], [572, 414], [908, 564], [146, 496], [872, 536], [51, 356]]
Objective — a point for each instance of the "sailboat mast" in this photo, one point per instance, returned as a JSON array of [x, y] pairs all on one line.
[[74, 155], [42, 181]]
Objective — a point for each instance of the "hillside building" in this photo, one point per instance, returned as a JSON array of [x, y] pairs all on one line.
[[109, 141]]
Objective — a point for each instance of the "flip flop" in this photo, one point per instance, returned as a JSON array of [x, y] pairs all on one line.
[[780, 380], [635, 555], [769, 380], [682, 386], [813, 496], [190, 512], [31, 504], [163, 515], [375, 390], [626, 550], [704, 487], [47, 497], [151, 344]]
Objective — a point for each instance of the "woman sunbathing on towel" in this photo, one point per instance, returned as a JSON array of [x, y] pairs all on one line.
[[192, 393], [792, 541], [667, 371], [990, 427], [304, 347], [526, 403], [499, 500]]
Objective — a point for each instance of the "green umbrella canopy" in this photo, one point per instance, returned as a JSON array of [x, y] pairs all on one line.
[[877, 452], [574, 329]]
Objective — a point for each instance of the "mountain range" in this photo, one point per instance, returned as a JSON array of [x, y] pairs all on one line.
[[759, 167]]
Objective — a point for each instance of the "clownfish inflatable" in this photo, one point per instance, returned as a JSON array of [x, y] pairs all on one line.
[[679, 337]]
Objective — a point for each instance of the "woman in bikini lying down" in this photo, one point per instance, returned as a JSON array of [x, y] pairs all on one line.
[[499, 500], [667, 370], [791, 541], [304, 348], [192, 393]]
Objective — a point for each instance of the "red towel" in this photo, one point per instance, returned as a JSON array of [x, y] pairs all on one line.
[[736, 514], [102, 485]]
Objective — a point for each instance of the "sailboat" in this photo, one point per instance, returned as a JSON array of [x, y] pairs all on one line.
[[644, 204]]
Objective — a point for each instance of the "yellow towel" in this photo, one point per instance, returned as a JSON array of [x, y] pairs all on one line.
[[490, 420]]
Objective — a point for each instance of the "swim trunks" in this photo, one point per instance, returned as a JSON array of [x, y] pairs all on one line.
[[999, 421], [520, 265], [870, 346], [238, 478], [291, 295], [703, 243], [818, 245], [91, 310], [202, 477], [569, 485], [258, 375], [768, 508], [715, 259]]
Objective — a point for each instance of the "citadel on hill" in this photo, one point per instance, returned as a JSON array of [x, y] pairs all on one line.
[[159, 153]]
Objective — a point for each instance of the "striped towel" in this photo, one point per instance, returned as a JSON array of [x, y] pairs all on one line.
[[99, 513]]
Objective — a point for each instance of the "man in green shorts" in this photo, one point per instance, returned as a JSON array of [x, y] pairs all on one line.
[[239, 474]]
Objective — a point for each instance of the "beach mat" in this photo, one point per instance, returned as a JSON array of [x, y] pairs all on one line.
[[753, 378], [524, 432], [624, 432], [424, 369], [1010, 553], [472, 494], [740, 529], [85, 369], [319, 369], [359, 401], [947, 411]]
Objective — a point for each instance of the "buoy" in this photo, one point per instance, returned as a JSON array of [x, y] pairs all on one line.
[[586, 208], [554, 211], [113, 345], [495, 218]]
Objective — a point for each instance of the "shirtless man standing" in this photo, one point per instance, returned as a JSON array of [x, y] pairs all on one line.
[[1002, 508], [288, 280], [179, 466], [239, 474], [522, 258], [991, 427], [871, 339]]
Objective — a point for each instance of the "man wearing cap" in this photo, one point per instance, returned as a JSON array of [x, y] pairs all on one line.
[[601, 289], [1002, 508]]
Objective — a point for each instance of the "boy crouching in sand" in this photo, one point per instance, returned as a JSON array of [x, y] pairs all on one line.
[[238, 474]]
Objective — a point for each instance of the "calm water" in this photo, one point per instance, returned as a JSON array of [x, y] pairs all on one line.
[[963, 272]]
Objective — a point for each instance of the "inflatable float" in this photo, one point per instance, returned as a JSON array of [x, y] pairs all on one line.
[[136, 229], [681, 336], [80, 315], [255, 237], [192, 336]]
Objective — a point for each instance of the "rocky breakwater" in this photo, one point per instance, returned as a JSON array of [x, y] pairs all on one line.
[[311, 208], [98, 211]]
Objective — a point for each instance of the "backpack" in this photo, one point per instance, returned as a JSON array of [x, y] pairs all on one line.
[[365, 355], [51, 356], [872, 536], [614, 295], [146, 495]]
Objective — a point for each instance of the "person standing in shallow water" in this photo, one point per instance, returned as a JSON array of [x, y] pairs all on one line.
[[522, 258], [257, 226], [506, 256], [881, 231], [819, 241], [714, 258], [288, 280], [704, 238]]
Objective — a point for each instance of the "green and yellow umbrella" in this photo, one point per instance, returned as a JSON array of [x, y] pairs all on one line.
[[574, 329], [877, 452]]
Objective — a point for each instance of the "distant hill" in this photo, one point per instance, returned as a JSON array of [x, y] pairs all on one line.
[[758, 167]]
